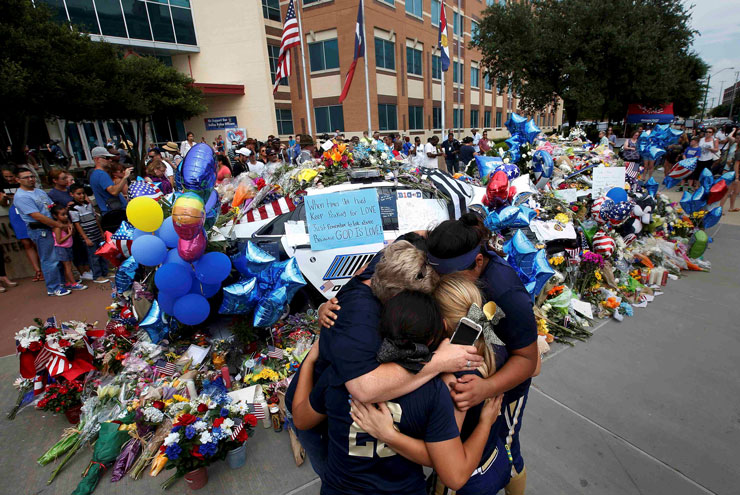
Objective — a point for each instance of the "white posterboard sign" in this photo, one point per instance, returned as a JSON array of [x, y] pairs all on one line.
[[420, 214], [567, 195], [582, 307], [605, 178]]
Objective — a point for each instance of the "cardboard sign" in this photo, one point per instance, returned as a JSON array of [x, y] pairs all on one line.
[[343, 219], [582, 307], [605, 178], [567, 195], [415, 213]]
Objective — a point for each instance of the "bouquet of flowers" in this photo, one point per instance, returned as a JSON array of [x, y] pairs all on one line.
[[61, 397], [337, 156], [24, 386]]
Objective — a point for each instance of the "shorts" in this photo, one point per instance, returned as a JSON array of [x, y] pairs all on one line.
[[63, 253], [17, 224]]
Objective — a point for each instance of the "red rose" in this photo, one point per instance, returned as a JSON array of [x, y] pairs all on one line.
[[158, 404], [196, 453], [202, 408], [242, 436], [251, 419], [57, 409], [34, 346], [64, 343], [185, 419], [218, 422]]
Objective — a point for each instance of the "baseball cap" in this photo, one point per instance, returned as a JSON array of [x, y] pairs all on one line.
[[99, 151], [244, 151]]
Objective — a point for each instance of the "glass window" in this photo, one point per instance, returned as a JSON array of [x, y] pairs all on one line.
[[436, 118], [111, 18], [159, 16], [180, 3], [436, 9], [91, 134], [387, 117], [324, 55], [58, 12], [498, 118], [436, 67], [271, 9], [474, 73], [82, 15], [284, 121], [487, 118], [385, 56], [487, 82], [389, 2], [184, 29], [457, 24], [502, 3], [329, 118], [73, 134], [413, 61], [457, 73], [416, 117], [490, 2], [457, 118], [273, 53], [474, 118], [136, 21], [474, 26], [413, 7]]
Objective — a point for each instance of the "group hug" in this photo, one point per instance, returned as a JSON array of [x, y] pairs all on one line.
[[384, 391]]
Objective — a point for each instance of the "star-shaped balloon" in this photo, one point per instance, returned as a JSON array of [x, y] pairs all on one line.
[[156, 323], [251, 260], [698, 200], [125, 275], [712, 218], [530, 263], [520, 250], [516, 124], [271, 307], [686, 203], [541, 273], [531, 131], [706, 179], [651, 186], [240, 298], [292, 278], [542, 164]]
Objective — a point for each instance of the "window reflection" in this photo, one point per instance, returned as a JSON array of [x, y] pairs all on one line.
[[138, 26], [159, 16], [82, 15], [184, 26], [111, 18]]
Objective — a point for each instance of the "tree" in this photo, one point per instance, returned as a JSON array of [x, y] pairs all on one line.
[[596, 56]]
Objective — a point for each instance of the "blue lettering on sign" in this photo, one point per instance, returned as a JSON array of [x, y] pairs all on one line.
[[216, 123], [343, 219]]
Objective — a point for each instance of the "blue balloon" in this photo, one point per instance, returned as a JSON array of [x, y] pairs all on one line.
[[125, 275], [138, 233], [542, 164], [656, 152], [514, 142], [618, 194], [166, 302], [271, 307], [651, 186], [212, 268], [174, 279], [240, 298], [686, 203], [155, 323], [205, 290], [251, 260], [511, 170], [516, 124], [192, 309], [712, 218], [531, 131], [698, 199], [728, 177], [669, 182], [174, 257], [199, 170], [149, 250], [487, 165], [167, 233], [706, 179], [291, 278]]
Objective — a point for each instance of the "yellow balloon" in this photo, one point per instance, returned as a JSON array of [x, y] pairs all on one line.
[[144, 213]]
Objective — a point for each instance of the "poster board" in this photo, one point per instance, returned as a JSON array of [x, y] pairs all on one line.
[[343, 219]]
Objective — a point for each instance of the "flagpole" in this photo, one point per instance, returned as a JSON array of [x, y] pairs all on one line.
[[303, 64], [367, 80], [442, 76]]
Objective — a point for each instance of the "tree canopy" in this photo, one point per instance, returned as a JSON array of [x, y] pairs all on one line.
[[597, 56], [49, 70]]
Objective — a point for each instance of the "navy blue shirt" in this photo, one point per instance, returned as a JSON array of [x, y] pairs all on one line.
[[470, 423], [360, 464], [518, 328]]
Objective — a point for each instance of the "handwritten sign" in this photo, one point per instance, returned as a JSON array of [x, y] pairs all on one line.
[[343, 219], [605, 178], [420, 214]]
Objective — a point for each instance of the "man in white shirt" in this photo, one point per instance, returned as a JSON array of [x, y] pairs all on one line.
[[476, 137], [431, 153]]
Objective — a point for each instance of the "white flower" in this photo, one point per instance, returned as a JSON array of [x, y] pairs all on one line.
[[384, 156], [228, 423], [200, 425], [205, 437], [171, 438]]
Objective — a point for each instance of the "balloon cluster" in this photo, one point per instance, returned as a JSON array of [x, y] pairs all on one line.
[[529, 262], [613, 208], [266, 286], [522, 131], [654, 145]]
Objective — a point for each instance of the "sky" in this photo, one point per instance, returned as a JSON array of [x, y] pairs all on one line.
[[718, 40]]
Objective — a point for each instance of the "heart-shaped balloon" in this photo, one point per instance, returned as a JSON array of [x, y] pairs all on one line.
[[717, 192], [497, 190]]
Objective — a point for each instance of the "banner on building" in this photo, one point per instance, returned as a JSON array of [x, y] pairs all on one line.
[[217, 123], [661, 114]]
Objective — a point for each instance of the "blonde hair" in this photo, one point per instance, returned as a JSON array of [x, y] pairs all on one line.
[[402, 267], [154, 165], [454, 295]]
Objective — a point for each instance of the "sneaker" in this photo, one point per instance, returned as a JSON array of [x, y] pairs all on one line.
[[76, 286], [87, 275], [101, 280], [59, 292]]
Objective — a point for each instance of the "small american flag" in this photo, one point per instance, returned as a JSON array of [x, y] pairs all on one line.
[[51, 323], [629, 239], [164, 368], [632, 171], [290, 38], [257, 410], [143, 188], [274, 352], [39, 384], [236, 430], [574, 254]]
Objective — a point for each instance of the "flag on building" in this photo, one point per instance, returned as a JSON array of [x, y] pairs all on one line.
[[291, 38], [359, 52], [444, 49]]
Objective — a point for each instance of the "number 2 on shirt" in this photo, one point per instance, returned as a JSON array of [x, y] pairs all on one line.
[[373, 445]]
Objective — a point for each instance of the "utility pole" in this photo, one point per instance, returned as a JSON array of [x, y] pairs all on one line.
[[704, 107]]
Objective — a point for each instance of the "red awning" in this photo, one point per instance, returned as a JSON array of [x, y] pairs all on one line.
[[220, 89]]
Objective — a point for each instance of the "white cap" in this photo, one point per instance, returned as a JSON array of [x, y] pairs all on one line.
[[244, 151]]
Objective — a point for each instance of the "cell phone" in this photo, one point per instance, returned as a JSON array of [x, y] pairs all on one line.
[[466, 333]]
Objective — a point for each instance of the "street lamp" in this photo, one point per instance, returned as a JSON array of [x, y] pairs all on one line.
[[709, 78]]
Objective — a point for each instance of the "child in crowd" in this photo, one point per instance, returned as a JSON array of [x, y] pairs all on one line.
[[63, 246], [87, 224], [692, 151]]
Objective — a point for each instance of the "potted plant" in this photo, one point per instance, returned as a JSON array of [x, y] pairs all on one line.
[[238, 424], [65, 398]]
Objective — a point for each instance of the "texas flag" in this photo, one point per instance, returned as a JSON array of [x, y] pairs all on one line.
[[444, 49], [359, 52]]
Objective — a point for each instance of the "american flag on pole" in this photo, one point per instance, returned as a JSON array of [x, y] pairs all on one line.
[[442, 41], [359, 52], [274, 352], [269, 210], [574, 254], [291, 38]]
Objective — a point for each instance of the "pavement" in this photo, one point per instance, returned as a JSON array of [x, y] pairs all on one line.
[[647, 406]]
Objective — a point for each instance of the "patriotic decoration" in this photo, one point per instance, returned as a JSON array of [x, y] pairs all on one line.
[[290, 38], [236, 430], [596, 209], [442, 41], [144, 188], [123, 238], [359, 51], [629, 239], [574, 254], [632, 171], [274, 352], [683, 169], [277, 207], [603, 244], [460, 193], [164, 368], [257, 409]]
